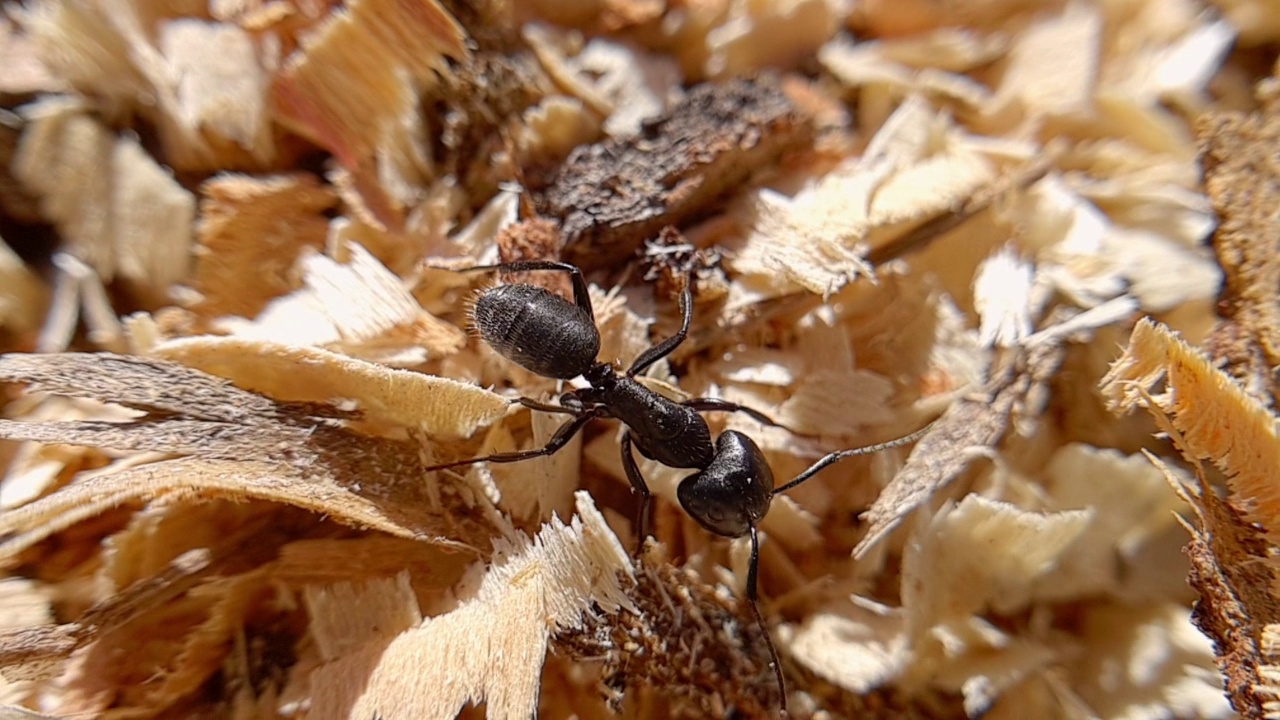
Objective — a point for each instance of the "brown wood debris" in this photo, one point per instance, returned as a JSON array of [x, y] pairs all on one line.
[[1231, 537], [237, 288], [1244, 183], [612, 196]]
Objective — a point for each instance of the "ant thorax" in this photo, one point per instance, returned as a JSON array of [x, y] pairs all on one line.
[[672, 434]]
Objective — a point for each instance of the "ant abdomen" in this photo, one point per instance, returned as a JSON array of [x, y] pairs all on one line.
[[541, 332]]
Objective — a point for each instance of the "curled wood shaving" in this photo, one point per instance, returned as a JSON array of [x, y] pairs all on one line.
[[435, 406], [491, 648], [1230, 537], [136, 383], [352, 88], [122, 212], [242, 445], [1200, 402], [257, 222], [359, 307]]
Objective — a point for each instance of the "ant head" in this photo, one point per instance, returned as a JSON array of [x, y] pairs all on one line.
[[732, 495]]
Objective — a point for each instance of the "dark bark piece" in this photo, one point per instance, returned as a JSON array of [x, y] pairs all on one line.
[[612, 196], [1242, 176]]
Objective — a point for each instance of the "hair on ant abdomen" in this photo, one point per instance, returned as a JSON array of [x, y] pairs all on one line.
[[517, 319]]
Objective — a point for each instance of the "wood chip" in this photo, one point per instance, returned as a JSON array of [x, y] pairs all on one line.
[[433, 669], [255, 222], [1244, 193], [352, 88], [122, 213], [611, 197]]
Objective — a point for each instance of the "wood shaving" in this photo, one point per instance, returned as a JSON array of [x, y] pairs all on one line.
[[433, 669], [255, 222], [1156, 356], [220, 94], [859, 651], [1002, 298], [1230, 532], [957, 569], [1053, 64], [437, 406], [124, 215], [241, 240], [358, 307], [314, 93]]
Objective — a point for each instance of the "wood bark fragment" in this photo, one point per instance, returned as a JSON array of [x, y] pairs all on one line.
[[1237, 590], [1242, 179], [610, 197]]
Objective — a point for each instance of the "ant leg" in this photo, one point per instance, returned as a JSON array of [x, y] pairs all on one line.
[[664, 348], [836, 457], [641, 488], [753, 598], [557, 441], [718, 405], [581, 297]]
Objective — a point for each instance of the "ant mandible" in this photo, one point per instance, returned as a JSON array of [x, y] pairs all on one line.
[[733, 488]]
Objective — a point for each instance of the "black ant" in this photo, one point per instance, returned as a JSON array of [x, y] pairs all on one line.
[[547, 335]]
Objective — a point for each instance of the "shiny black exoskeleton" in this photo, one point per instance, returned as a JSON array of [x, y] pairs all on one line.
[[733, 488]]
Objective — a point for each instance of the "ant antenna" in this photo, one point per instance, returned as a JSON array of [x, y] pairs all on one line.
[[839, 455], [753, 569], [753, 566]]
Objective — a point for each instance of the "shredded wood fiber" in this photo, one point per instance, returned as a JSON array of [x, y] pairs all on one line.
[[235, 331]]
